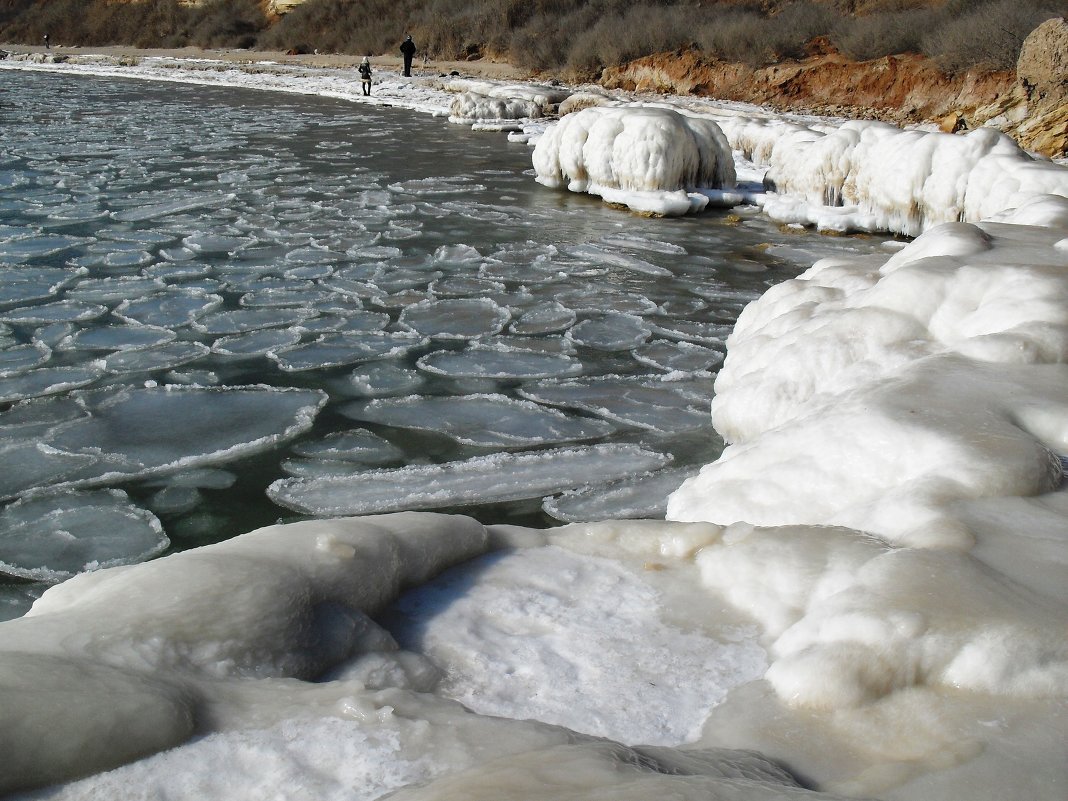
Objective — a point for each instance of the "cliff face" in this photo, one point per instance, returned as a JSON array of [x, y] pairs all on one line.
[[900, 89], [1043, 74]]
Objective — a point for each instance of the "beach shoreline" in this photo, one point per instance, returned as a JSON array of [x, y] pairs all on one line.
[[906, 90], [481, 68]]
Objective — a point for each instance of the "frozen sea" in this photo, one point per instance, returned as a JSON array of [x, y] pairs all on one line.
[[210, 291]]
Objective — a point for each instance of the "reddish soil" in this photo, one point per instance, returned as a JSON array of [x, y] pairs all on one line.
[[900, 89]]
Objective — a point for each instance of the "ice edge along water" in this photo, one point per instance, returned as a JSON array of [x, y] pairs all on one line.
[[890, 512]]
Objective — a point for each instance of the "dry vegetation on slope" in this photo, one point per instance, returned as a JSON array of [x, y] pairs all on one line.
[[920, 59], [578, 38]]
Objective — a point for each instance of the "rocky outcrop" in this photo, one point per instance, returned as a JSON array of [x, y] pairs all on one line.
[[1042, 70], [1043, 63]]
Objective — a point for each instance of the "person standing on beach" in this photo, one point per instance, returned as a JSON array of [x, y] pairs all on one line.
[[365, 75], [47, 45], [407, 48]]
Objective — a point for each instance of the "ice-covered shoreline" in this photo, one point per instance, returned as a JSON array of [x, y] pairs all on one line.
[[423, 94], [891, 513], [834, 175]]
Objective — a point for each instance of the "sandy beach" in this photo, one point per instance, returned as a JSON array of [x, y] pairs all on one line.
[[481, 68]]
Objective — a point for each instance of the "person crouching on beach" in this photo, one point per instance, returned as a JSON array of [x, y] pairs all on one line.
[[365, 75]]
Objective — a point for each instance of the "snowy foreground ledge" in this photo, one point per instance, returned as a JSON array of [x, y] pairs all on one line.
[[262, 615], [891, 516]]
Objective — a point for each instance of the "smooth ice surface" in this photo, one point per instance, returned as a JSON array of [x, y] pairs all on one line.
[[60, 311], [358, 445], [117, 337], [378, 380], [255, 343], [27, 284], [20, 358], [644, 402], [498, 362], [612, 258], [335, 350], [611, 331], [682, 356], [174, 308], [643, 496], [482, 479], [46, 381], [455, 318], [242, 320], [484, 420], [138, 432], [38, 464], [51, 539], [164, 357], [548, 317]]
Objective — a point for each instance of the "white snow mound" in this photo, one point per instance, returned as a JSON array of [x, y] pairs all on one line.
[[877, 177], [652, 160]]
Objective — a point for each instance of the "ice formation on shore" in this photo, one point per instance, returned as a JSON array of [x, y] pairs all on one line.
[[491, 106], [651, 160], [903, 402], [851, 176], [871, 176]]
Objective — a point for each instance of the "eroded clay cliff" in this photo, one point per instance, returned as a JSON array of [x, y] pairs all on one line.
[[1030, 104]]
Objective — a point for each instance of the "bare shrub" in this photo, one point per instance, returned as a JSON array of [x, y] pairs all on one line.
[[341, 26], [734, 36], [883, 34], [987, 35], [30, 22], [793, 27], [581, 36], [754, 39], [10, 10], [614, 40], [226, 23], [151, 23], [147, 23], [538, 49], [547, 38]]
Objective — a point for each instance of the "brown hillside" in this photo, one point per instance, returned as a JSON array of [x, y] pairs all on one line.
[[902, 89]]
